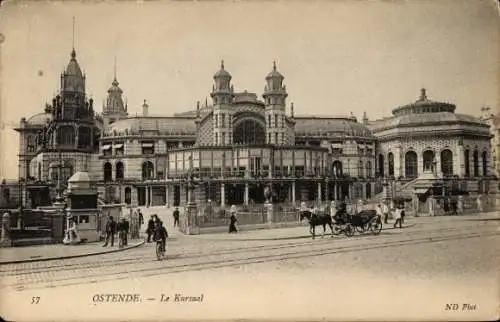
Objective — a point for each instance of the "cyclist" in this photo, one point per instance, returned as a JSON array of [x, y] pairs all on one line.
[[160, 234]]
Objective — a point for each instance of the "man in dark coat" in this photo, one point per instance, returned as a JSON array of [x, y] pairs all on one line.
[[149, 230], [176, 217], [126, 228], [141, 218], [110, 231]]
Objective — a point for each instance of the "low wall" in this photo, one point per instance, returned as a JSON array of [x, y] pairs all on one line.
[[225, 229]]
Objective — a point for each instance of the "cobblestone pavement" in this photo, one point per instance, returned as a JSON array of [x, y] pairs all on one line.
[[401, 272]]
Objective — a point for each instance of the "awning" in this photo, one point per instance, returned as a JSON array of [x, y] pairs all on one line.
[[337, 145], [147, 145], [106, 147], [118, 146]]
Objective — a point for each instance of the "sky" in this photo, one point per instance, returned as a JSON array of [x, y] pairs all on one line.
[[338, 57]]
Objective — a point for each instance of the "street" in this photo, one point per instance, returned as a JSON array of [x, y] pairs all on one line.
[[435, 268]]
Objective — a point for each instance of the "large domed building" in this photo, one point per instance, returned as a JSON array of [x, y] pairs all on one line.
[[238, 144]]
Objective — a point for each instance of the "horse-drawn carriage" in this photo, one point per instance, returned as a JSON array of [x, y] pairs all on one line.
[[343, 222]]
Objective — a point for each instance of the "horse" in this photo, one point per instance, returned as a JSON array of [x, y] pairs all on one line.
[[317, 220]]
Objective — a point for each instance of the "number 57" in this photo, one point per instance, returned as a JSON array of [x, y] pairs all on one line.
[[35, 299]]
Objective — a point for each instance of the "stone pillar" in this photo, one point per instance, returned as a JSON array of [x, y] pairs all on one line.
[[459, 162], [5, 238], [319, 192], [327, 191], [269, 207], [222, 195], [146, 189], [438, 164], [246, 193], [363, 187], [397, 162], [293, 192], [166, 196], [151, 196], [335, 192]]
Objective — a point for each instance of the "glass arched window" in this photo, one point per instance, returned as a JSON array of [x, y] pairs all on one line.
[[368, 169], [411, 164], [84, 139], [119, 170], [128, 195], [360, 169], [381, 165], [447, 163], [467, 163], [337, 168], [428, 157], [66, 135], [390, 158], [147, 170], [107, 172], [249, 132], [475, 163], [485, 163]]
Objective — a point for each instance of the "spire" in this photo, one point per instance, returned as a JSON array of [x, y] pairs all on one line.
[[73, 52], [115, 69], [222, 64], [274, 65]]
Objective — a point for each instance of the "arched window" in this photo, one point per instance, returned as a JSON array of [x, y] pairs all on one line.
[[485, 163], [249, 132], [337, 168], [381, 165], [428, 157], [368, 169], [475, 163], [128, 195], [119, 170], [66, 135], [360, 168], [108, 172], [84, 140], [368, 190], [411, 164], [467, 163], [390, 156], [447, 163], [147, 170], [30, 143]]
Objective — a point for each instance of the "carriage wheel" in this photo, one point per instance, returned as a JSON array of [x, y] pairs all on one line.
[[361, 229], [349, 230], [336, 230], [376, 227]]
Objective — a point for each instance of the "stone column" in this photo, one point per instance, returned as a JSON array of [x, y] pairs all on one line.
[[319, 192], [438, 164], [151, 195], [459, 161], [397, 162], [327, 192], [293, 192], [335, 192], [166, 196], [146, 190], [363, 187], [5, 238], [246, 193], [222, 195]]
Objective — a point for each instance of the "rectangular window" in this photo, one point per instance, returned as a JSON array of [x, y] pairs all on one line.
[[216, 138], [147, 147], [223, 121], [216, 120], [276, 138], [275, 120], [223, 141], [269, 121]]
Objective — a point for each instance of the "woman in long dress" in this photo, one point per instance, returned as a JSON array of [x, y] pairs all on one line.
[[72, 237], [233, 220]]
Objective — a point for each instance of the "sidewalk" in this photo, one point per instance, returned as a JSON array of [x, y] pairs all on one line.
[[12, 255], [303, 231]]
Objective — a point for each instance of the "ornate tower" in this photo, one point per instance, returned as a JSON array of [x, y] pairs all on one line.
[[114, 108], [275, 99], [222, 96]]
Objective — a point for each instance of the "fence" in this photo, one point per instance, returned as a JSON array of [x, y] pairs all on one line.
[[215, 216]]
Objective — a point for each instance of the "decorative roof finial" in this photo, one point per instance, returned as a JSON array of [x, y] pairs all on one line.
[[115, 68], [222, 64], [73, 52], [206, 102], [291, 109], [423, 95], [274, 65]]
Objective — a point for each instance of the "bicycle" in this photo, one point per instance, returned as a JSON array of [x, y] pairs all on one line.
[[160, 251]]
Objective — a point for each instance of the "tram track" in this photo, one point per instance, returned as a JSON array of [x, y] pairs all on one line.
[[59, 265], [291, 252]]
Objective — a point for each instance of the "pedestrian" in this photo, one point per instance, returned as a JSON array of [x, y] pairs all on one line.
[[446, 206], [141, 217], [460, 205], [149, 230], [379, 212], [385, 212], [480, 204], [110, 231], [398, 216], [233, 220], [126, 228], [176, 217], [333, 208], [120, 227]]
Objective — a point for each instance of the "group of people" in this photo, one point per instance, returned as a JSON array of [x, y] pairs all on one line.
[[156, 231], [121, 227]]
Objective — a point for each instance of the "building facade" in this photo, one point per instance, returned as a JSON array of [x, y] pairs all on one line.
[[239, 144]]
